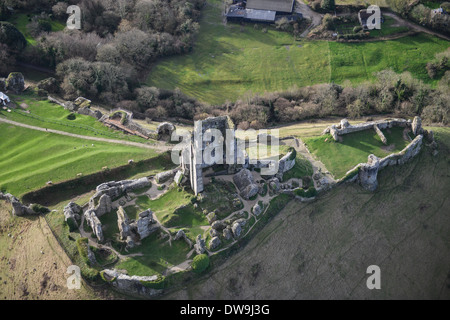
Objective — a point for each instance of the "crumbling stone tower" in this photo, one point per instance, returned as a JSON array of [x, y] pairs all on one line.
[[193, 156]]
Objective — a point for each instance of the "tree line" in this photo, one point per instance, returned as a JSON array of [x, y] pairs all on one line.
[[119, 41]]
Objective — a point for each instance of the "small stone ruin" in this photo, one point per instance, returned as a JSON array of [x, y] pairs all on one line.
[[135, 231], [165, 130], [366, 173], [101, 203]]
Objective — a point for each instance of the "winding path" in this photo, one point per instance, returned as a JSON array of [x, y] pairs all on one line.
[[415, 26], [307, 12]]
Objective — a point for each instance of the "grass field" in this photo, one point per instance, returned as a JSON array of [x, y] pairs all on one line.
[[358, 61], [164, 208], [44, 114], [339, 157], [228, 62], [30, 158]]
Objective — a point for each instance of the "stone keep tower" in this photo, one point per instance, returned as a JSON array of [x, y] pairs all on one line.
[[193, 156]]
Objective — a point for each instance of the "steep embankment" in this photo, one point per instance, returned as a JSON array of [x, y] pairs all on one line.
[[32, 264]]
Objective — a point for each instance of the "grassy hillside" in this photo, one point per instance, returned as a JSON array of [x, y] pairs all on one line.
[[358, 61], [28, 158], [44, 114], [321, 249], [21, 21], [229, 60]]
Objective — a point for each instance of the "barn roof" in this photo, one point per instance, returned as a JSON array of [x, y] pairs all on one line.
[[255, 15], [272, 5]]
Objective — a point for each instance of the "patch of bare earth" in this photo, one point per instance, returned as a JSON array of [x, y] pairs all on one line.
[[388, 148], [32, 264]]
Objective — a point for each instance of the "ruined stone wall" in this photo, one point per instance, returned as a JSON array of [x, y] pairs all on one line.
[[345, 127], [366, 173], [134, 285], [101, 202]]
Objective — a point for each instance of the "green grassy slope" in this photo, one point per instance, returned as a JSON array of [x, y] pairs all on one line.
[[28, 158], [358, 61], [44, 114], [226, 62]]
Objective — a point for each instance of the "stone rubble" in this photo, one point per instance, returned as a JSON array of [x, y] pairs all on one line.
[[236, 229], [214, 243], [19, 209], [246, 183]]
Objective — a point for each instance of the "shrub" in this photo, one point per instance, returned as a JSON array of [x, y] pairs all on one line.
[[311, 192], [82, 246], [351, 174], [90, 274], [431, 70], [306, 182], [12, 37], [293, 154], [200, 263], [39, 209], [50, 85], [327, 21], [265, 188], [157, 284], [102, 275], [328, 5], [71, 116], [45, 26], [71, 224], [436, 114], [4, 12]]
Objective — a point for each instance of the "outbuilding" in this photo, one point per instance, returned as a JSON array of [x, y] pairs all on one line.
[[266, 11]]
